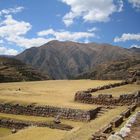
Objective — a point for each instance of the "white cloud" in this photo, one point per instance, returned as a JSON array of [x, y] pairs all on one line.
[[7, 51], [135, 46], [11, 10], [120, 5], [10, 27], [66, 35], [135, 3], [14, 31], [1, 41], [28, 42], [91, 10], [127, 37], [94, 29]]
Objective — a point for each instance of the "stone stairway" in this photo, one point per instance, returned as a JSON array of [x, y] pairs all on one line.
[[101, 112]]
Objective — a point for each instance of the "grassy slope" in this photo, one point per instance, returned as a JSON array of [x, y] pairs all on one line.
[[56, 93]]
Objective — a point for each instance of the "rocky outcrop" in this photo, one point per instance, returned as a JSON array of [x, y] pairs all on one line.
[[50, 111]]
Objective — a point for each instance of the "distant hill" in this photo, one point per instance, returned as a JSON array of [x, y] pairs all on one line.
[[134, 49], [63, 60], [114, 70], [12, 70]]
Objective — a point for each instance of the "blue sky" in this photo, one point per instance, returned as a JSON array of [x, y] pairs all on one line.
[[28, 23]]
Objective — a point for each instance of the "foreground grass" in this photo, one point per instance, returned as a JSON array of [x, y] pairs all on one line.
[[56, 92], [116, 92], [4, 132], [36, 133]]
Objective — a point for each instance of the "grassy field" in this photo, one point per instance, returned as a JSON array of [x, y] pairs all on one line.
[[56, 93], [116, 92], [36, 133], [4, 132]]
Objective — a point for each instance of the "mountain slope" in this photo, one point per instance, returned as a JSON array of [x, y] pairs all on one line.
[[62, 60], [12, 70], [114, 70]]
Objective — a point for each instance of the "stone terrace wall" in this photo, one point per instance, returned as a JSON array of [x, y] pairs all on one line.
[[91, 90], [18, 124], [107, 99], [49, 111]]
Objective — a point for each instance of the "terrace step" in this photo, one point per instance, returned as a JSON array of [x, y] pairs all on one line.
[[101, 112]]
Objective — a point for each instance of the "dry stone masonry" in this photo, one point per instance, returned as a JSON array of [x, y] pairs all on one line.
[[108, 99], [18, 124], [91, 90], [49, 111]]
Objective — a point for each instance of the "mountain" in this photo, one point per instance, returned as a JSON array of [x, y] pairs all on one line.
[[114, 70], [135, 49], [12, 70], [62, 60]]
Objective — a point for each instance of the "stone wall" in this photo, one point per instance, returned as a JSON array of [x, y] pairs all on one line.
[[104, 132], [18, 124], [108, 99], [92, 90], [49, 111]]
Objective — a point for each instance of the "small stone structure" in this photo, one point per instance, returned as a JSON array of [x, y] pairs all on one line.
[[107, 129], [50, 111], [117, 121], [126, 113], [108, 99]]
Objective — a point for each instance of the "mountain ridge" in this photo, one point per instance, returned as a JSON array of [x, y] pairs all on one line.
[[63, 60]]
